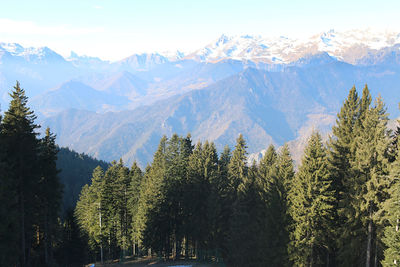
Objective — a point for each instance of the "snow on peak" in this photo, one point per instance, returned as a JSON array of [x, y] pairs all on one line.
[[12, 48], [173, 55], [30, 53], [284, 49]]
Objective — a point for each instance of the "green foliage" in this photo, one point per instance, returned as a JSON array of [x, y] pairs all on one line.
[[190, 203], [30, 190], [311, 207], [392, 207], [136, 179], [237, 168]]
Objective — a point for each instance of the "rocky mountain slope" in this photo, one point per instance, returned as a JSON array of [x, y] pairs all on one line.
[[272, 90]]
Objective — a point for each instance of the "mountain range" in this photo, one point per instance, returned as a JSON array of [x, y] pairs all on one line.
[[272, 90]]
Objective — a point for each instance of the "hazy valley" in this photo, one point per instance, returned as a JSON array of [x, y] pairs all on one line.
[[271, 90]]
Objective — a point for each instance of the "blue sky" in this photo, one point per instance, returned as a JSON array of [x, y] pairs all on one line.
[[113, 29]]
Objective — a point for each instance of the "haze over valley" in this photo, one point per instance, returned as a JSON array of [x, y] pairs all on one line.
[[272, 90]]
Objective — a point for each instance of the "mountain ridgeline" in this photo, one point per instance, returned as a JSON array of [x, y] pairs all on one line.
[[272, 90]]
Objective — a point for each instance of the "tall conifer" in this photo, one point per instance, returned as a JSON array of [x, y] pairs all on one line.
[[21, 150], [392, 208], [49, 194], [371, 189], [311, 207]]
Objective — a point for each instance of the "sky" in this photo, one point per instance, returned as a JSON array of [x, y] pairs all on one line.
[[115, 29]]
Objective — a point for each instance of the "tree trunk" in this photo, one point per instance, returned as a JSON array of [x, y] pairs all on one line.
[[397, 229], [178, 249], [327, 258], [46, 239], [186, 247], [369, 244], [376, 251], [22, 212]]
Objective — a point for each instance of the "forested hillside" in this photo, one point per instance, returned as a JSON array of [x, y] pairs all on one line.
[[75, 171], [338, 209], [39, 187]]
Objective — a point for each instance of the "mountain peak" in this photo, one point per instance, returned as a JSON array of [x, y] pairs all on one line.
[[12, 48], [285, 50], [223, 39]]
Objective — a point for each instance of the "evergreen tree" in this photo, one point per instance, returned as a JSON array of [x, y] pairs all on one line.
[[20, 157], [245, 239], [89, 212], [136, 178], [372, 164], [121, 188], [275, 176], [9, 244], [202, 171], [285, 168], [237, 168], [237, 175], [151, 228], [392, 208], [268, 212], [285, 178], [341, 158], [49, 195], [222, 207], [311, 208]]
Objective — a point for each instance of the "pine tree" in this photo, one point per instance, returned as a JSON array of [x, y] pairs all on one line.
[[285, 168], [246, 239], [311, 207], [152, 231], [21, 150], [285, 179], [49, 194], [237, 176], [201, 210], [121, 187], [276, 175], [9, 244], [343, 166], [268, 212], [136, 179], [237, 168], [89, 212], [372, 164], [392, 208], [114, 208], [220, 189], [341, 156]]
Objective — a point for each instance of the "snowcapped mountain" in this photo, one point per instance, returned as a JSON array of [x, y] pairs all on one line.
[[141, 62], [351, 46], [173, 55], [271, 89], [348, 46], [31, 54], [88, 62]]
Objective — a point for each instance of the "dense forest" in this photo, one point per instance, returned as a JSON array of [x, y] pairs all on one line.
[[339, 207], [39, 187]]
